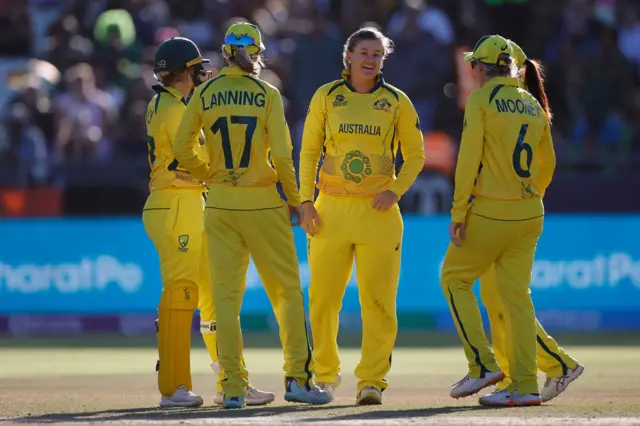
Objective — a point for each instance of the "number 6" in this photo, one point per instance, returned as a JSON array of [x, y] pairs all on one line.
[[521, 145]]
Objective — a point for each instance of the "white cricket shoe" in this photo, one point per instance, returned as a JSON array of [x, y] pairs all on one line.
[[254, 397], [330, 386], [182, 397], [470, 385], [504, 398], [554, 386], [369, 395]]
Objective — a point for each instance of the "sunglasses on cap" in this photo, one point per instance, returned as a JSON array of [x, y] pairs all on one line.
[[242, 40]]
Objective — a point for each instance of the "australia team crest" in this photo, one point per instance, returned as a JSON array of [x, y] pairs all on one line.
[[382, 105], [183, 240]]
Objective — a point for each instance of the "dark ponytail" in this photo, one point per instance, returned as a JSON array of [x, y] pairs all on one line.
[[534, 83]]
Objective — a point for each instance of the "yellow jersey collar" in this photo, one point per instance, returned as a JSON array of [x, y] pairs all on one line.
[[171, 90], [506, 81], [346, 74], [233, 70]]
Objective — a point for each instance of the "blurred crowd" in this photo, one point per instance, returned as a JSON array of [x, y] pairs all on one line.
[[78, 73]]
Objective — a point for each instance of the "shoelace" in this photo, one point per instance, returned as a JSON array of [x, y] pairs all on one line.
[[324, 385], [315, 390], [559, 381], [461, 382]]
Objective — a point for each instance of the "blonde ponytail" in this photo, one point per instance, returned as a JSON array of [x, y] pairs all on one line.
[[248, 63]]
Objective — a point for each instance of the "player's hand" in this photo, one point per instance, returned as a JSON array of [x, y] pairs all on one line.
[[385, 200], [456, 228], [211, 73], [207, 74], [296, 215], [310, 220]]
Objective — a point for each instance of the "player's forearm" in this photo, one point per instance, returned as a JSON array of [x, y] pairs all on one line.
[[287, 174], [184, 152], [547, 166], [308, 171], [460, 204], [466, 174], [411, 168], [464, 183]]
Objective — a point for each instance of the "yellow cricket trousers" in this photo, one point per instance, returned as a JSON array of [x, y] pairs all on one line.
[[552, 359], [352, 229], [511, 245], [173, 220], [266, 235]]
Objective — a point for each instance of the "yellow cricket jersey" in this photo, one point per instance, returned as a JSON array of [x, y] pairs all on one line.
[[358, 135], [247, 139], [506, 159], [163, 117]]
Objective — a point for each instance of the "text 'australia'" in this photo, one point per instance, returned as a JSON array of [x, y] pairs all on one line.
[[233, 97], [359, 129]]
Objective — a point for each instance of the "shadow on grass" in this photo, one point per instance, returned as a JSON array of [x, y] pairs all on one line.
[[407, 339], [169, 414], [402, 413]]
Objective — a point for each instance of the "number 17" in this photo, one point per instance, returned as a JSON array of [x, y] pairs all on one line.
[[222, 125]]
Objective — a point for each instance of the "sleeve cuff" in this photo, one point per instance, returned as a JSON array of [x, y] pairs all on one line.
[[458, 217]]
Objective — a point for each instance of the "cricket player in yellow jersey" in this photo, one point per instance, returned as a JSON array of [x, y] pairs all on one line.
[[249, 148], [174, 220], [561, 369], [505, 163], [357, 123]]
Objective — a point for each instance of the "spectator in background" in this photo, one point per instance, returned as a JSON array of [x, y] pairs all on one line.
[[195, 26], [65, 44], [27, 151], [601, 94], [40, 109], [413, 66], [629, 37], [324, 40], [84, 116], [117, 51], [148, 16], [15, 28], [431, 20], [509, 17], [131, 134]]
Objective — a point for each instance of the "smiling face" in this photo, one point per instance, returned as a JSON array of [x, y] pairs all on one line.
[[366, 59]]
